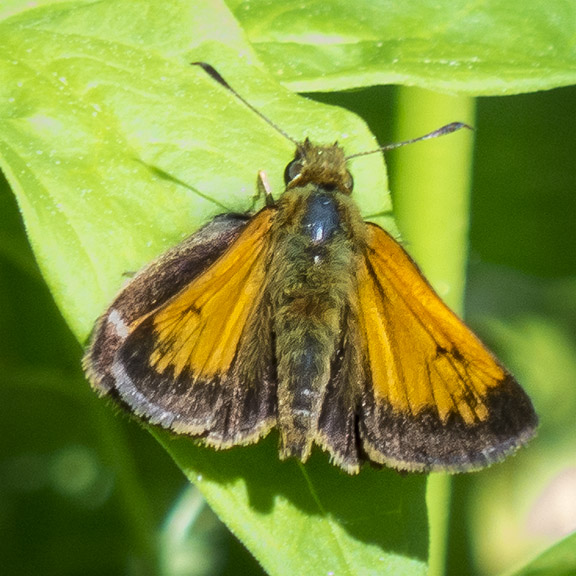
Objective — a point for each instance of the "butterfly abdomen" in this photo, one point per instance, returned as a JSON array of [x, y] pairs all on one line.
[[311, 279]]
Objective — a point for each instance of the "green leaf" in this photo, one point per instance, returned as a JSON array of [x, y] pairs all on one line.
[[118, 156], [456, 46], [116, 148], [559, 560], [311, 519]]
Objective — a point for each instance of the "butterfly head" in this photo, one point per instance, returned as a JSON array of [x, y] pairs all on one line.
[[323, 166]]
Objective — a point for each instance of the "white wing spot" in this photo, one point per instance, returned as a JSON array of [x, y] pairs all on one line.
[[117, 321]]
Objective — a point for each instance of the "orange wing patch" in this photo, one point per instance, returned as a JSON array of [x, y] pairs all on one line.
[[421, 355], [200, 328]]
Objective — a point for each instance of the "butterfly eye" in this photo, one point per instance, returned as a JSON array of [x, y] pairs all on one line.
[[292, 170]]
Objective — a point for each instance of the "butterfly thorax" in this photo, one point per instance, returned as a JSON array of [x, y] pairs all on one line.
[[318, 235], [324, 167]]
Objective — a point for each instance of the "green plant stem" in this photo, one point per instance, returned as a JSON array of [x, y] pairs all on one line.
[[431, 183], [132, 497]]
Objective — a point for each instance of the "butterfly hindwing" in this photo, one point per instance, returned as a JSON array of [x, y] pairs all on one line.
[[434, 397], [338, 420]]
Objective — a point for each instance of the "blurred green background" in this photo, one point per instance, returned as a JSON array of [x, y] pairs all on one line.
[[71, 469]]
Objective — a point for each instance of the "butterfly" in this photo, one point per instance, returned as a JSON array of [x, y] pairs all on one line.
[[305, 318]]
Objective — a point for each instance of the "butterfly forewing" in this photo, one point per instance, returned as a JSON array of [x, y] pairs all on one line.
[[436, 398], [178, 364], [199, 330]]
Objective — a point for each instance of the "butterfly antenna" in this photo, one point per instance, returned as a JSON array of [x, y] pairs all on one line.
[[214, 74], [448, 129]]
